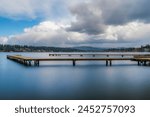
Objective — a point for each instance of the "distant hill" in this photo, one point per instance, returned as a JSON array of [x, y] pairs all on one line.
[[88, 48], [25, 48]]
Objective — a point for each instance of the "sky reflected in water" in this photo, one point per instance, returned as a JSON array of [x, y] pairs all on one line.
[[60, 80]]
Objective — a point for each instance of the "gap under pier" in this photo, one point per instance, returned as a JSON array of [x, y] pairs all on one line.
[[108, 58]]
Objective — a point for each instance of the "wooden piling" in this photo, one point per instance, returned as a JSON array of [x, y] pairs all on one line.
[[110, 63], [74, 62], [36, 63], [30, 63], [138, 63], [148, 63], [144, 63], [106, 63]]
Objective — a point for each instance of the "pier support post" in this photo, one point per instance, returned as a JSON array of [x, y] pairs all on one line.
[[141, 63], [144, 63], [106, 63], [138, 63], [29, 63], [25, 62], [149, 63], [74, 63], [110, 63], [36, 63]]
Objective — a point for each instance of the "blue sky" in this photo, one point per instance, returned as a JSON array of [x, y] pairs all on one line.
[[107, 23], [10, 26]]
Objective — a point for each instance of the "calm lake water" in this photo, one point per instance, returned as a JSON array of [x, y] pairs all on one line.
[[60, 80]]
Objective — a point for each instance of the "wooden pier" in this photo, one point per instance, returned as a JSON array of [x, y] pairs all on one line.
[[141, 59]]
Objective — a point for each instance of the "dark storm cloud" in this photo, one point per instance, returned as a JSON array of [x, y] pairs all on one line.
[[88, 20], [121, 12], [141, 10], [94, 17]]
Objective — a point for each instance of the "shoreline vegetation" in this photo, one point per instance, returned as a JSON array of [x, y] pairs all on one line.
[[25, 48]]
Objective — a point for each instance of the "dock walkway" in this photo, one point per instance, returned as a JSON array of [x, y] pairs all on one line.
[[141, 59]]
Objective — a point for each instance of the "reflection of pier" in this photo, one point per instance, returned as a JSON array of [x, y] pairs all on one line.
[[141, 59]]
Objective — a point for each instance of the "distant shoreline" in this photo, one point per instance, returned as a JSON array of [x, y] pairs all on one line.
[[25, 48]]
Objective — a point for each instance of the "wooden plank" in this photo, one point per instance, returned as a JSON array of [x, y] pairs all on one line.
[[79, 59], [19, 57], [100, 54], [66, 58], [142, 59]]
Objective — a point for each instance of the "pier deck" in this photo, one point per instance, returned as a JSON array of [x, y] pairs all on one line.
[[29, 61]]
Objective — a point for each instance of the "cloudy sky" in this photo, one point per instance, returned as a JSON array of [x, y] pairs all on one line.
[[102, 23]]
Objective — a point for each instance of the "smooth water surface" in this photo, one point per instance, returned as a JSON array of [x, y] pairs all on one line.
[[60, 80]]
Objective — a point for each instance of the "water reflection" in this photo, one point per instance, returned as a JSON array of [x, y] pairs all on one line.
[[60, 80]]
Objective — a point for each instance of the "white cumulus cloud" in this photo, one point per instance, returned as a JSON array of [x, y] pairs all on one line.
[[55, 34], [131, 32], [33, 9], [47, 34], [3, 40]]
